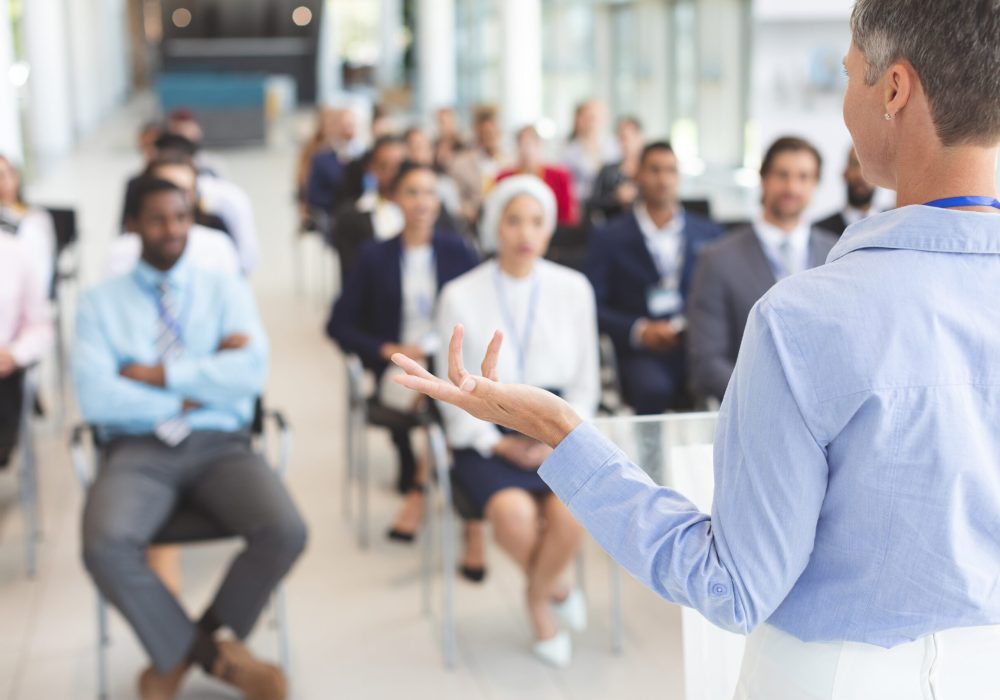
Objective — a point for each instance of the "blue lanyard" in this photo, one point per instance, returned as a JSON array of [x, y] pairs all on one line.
[[521, 342], [964, 202]]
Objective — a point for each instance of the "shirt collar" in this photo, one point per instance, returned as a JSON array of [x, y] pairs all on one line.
[[773, 236], [649, 229], [917, 227], [177, 276]]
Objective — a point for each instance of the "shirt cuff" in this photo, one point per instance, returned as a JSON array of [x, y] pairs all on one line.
[[576, 459], [178, 374], [679, 323], [635, 335]]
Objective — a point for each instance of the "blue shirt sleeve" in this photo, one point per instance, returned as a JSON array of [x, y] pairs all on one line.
[[736, 566], [228, 376], [105, 397]]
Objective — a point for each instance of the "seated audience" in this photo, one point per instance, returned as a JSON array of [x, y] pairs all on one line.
[[641, 265], [34, 226], [207, 248], [168, 362], [25, 333], [589, 148], [183, 122], [475, 169], [420, 149], [734, 273], [335, 145], [860, 196], [614, 188], [387, 306], [374, 215], [547, 316], [531, 161]]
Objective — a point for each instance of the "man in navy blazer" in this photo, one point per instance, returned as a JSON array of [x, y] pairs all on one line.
[[640, 265]]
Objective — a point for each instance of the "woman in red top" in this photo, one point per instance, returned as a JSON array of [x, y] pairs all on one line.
[[531, 161]]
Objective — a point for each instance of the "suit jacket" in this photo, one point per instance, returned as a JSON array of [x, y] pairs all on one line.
[[326, 180], [368, 313], [835, 224], [622, 272], [730, 277]]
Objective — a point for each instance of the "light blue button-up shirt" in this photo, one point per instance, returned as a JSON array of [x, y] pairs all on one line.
[[117, 323], [857, 457]]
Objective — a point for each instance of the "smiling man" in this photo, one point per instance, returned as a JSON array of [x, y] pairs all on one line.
[[168, 361], [734, 273]]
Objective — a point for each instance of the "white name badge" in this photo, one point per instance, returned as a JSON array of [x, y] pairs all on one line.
[[664, 302]]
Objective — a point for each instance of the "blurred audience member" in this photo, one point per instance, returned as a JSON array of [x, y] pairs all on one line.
[[531, 161], [34, 226], [183, 122], [449, 138], [614, 189], [420, 149], [148, 135], [25, 332], [387, 306], [547, 316], [475, 169], [641, 265], [317, 181], [174, 415], [374, 215], [589, 147], [860, 195], [735, 272], [207, 248]]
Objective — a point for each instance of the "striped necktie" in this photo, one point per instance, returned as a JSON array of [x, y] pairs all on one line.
[[169, 346]]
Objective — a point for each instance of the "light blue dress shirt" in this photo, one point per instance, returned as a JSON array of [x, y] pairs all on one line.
[[857, 456], [117, 323]]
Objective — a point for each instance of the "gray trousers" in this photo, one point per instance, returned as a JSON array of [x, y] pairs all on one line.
[[140, 484]]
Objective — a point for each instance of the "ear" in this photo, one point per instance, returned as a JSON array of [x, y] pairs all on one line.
[[900, 83]]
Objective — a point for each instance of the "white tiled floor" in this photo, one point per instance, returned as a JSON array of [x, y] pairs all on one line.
[[357, 630]]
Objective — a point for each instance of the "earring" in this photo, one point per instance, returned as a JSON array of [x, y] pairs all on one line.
[[888, 117]]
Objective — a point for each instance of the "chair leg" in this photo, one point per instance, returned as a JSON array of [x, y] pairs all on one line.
[[103, 642], [364, 483], [449, 642], [281, 624], [581, 572], [427, 548], [28, 485], [352, 457], [617, 623]]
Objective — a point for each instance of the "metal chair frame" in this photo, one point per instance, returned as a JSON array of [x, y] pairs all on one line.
[[85, 475], [28, 472]]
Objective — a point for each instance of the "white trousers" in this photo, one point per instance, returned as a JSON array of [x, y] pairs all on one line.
[[957, 664]]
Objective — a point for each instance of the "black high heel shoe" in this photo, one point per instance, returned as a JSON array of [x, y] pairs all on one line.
[[474, 574], [395, 534]]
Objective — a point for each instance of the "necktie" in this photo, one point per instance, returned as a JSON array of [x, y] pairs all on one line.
[[169, 346]]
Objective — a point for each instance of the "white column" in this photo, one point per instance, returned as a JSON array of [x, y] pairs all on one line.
[[521, 62], [329, 68], [49, 96], [10, 128], [390, 26], [436, 57]]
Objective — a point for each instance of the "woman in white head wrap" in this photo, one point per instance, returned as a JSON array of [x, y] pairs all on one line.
[[548, 318]]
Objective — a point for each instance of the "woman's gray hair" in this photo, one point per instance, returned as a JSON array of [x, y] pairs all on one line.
[[503, 194], [954, 46]]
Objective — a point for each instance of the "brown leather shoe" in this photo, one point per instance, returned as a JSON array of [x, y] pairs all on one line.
[[154, 685], [255, 679]]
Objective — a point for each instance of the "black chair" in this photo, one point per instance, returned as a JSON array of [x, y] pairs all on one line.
[[186, 526], [66, 270]]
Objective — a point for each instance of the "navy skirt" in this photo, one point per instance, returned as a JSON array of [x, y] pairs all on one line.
[[480, 477]]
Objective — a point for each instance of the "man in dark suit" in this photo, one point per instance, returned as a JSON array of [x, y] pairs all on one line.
[[640, 265], [734, 273], [860, 195]]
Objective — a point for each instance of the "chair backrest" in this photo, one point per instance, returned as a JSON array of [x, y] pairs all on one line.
[[64, 222], [675, 449]]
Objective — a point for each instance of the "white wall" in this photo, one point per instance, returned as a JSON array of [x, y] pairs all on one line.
[[802, 9], [49, 95]]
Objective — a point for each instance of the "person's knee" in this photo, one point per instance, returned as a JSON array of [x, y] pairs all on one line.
[[105, 552], [285, 538], [512, 511]]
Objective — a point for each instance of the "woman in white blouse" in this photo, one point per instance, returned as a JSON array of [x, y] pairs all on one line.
[[547, 314], [32, 225]]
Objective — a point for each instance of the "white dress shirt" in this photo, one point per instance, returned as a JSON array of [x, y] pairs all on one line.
[[666, 247], [207, 249], [25, 319], [230, 203], [35, 227], [419, 281], [787, 251], [387, 218], [560, 351]]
